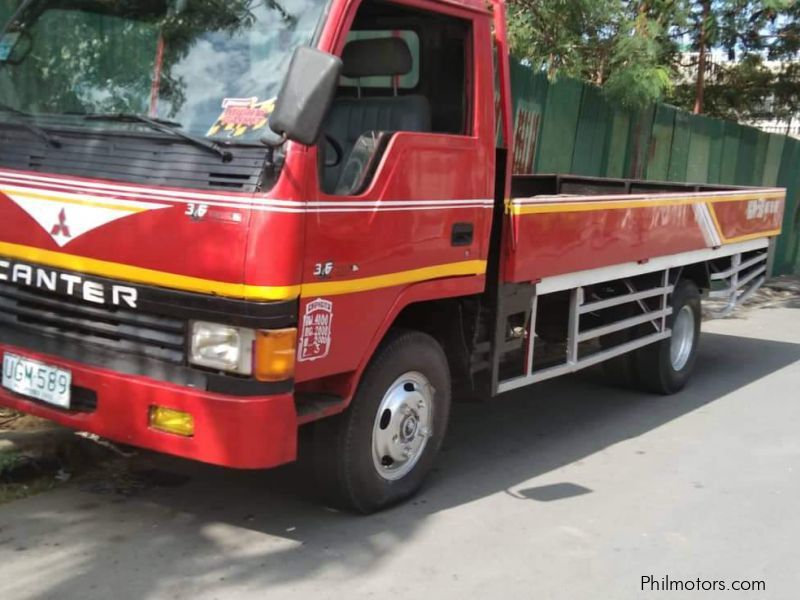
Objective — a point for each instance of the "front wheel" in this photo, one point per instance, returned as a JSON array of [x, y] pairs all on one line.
[[380, 449], [665, 367]]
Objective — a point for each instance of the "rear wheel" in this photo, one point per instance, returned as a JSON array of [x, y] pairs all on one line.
[[380, 449], [665, 367]]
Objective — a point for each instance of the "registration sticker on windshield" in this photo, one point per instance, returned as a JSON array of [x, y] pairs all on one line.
[[241, 115], [7, 44]]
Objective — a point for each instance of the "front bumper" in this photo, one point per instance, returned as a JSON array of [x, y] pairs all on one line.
[[233, 431]]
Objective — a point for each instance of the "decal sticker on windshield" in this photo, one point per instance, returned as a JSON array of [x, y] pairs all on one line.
[[7, 44], [315, 336], [241, 115]]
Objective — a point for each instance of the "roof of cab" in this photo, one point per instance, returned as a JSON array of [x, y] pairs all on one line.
[[482, 6]]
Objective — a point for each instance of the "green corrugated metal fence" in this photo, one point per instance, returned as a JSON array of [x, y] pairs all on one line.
[[569, 127]]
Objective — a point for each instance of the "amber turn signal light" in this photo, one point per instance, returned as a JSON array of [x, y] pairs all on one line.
[[273, 359], [171, 421]]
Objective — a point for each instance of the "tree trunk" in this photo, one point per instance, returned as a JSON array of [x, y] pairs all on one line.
[[700, 89]]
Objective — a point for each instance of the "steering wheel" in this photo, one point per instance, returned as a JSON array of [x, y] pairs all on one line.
[[337, 149]]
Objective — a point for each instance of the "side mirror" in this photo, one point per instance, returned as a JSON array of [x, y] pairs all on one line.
[[306, 95]]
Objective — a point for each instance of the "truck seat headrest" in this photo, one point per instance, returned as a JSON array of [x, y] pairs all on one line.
[[382, 56]]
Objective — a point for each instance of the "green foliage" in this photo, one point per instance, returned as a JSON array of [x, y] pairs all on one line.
[[748, 90], [634, 49], [750, 32], [621, 46], [561, 36], [636, 78]]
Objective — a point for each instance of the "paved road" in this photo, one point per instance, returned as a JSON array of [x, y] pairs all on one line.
[[568, 490]]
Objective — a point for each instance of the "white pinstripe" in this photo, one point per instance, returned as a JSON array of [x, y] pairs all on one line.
[[71, 189]]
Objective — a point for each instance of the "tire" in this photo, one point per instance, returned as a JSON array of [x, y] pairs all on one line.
[[358, 456], [665, 367]]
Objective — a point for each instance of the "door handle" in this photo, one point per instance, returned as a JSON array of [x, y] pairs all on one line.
[[462, 234]]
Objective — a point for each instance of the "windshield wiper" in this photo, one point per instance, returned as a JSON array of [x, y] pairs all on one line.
[[35, 129], [163, 126]]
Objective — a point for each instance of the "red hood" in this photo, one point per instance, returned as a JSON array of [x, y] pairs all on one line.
[[174, 238]]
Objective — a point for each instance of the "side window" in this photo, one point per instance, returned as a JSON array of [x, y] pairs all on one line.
[[404, 70]]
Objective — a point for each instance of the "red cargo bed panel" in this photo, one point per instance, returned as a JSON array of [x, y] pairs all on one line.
[[554, 235]]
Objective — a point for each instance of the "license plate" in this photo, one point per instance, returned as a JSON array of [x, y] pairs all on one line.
[[37, 380]]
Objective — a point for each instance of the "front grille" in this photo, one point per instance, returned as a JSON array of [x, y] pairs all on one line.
[[124, 331]]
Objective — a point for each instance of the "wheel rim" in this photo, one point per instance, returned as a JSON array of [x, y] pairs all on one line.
[[403, 426], [682, 338]]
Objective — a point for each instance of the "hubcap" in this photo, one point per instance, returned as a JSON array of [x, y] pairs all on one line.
[[403, 425], [682, 338]]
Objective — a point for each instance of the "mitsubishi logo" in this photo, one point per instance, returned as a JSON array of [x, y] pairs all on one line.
[[61, 228], [86, 212]]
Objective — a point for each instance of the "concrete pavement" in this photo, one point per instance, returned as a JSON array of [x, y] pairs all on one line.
[[565, 490]]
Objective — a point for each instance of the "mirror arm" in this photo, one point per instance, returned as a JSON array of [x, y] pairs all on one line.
[[273, 145]]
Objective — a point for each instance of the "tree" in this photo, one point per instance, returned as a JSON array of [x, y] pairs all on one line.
[[726, 24], [751, 33], [705, 30], [640, 51], [619, 45], [737, 92]]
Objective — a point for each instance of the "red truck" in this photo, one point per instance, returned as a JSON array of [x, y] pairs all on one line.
[[226, 223]]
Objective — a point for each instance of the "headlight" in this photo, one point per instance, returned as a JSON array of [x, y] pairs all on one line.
[[222, 347]]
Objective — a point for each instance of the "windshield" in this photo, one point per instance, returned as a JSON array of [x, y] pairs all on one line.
[[214, 66]]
